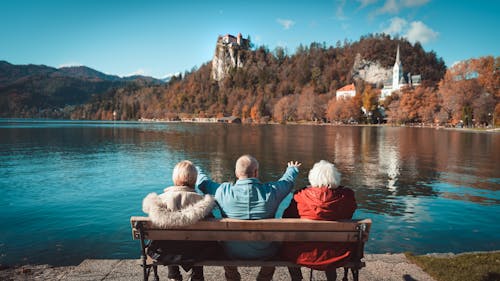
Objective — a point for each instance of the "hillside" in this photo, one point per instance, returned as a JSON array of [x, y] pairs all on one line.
[[308, 79], [43, 91]]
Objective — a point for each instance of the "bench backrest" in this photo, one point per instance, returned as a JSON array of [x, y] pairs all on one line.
[[257, 230]]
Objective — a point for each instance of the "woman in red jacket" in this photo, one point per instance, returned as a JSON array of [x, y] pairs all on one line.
[[324, 199]]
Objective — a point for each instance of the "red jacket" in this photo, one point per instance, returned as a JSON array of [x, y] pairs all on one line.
[[320, 203]]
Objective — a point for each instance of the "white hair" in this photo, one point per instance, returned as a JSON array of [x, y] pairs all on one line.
[[185, 174], [246, 166], [324, 173]]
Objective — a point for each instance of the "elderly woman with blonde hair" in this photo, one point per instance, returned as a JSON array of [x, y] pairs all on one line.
[[324, 199], [180, 205]]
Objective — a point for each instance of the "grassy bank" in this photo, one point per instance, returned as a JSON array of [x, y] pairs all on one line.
[[466, 267]]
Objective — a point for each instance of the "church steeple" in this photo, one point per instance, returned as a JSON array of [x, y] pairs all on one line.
[[397, 72], [398, 62]]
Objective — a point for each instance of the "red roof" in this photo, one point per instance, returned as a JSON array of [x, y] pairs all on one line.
[[349, 87]]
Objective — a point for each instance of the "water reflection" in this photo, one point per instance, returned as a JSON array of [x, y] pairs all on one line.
[[416, 184]]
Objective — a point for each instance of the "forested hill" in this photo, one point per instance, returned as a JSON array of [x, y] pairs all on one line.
[[310, 76], [43, 91]]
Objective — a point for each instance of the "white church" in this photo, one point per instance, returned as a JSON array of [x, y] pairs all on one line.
[[398, 80]]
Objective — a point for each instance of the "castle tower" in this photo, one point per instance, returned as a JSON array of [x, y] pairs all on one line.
[[238, 39], [397, 72]]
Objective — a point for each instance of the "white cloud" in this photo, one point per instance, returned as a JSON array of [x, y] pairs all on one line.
[[390, 7], [286, 23], [340, 10], [394, 6], [414, 3], [420, 32], [365, 3], [414, 31], [396, 27]]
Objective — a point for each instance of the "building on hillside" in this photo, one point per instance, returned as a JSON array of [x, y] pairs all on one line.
[[415, 80], [229, 39], [398, 79], [230, 119], [228, 54], [346, 91]]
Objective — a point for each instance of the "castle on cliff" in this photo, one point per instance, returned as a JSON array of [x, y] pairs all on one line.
[[228, 54]]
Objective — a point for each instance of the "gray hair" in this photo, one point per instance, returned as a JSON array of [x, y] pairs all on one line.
[[324, 173], [185, 174], [246, 165]]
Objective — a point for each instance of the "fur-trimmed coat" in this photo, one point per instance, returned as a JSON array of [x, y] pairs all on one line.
[[177, 206]]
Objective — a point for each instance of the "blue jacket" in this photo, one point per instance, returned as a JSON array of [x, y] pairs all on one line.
[[249, 199]]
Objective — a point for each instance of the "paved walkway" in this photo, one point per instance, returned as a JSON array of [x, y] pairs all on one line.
[[378, 267]]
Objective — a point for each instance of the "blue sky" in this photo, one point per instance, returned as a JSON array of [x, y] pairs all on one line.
[[157, 38]]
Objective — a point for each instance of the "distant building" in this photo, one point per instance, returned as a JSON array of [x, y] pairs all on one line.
[[398, 80], [415, 80], [346, 91], [231, 119], [228, 54], [229, 39]]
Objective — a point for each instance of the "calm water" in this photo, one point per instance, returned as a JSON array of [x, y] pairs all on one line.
[[68, 189]]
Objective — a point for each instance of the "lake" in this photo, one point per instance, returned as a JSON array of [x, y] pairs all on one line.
[[68, 188]]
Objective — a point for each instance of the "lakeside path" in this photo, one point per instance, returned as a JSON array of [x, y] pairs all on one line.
[[379, 267]]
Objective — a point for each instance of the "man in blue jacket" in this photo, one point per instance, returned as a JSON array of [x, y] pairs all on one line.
[[249, 199]]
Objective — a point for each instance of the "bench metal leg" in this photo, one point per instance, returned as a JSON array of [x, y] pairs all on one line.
[[155, 271], [145, 268], [355, 274], [346, 272]]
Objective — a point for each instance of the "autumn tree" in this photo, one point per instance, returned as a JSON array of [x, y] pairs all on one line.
[[344, 110], [285, 109], [431, 104], [465, 95], [369, 98], [309, 106]]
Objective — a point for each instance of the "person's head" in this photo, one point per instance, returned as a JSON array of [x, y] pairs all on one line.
[[185, 174], [324, 173], [246, 167]]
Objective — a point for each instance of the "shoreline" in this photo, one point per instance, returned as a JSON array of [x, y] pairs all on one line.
[[305, 123]]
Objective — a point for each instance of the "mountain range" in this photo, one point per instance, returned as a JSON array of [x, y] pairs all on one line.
[[25, 89]]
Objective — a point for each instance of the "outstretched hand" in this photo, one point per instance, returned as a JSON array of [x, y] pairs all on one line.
[[294, 164]]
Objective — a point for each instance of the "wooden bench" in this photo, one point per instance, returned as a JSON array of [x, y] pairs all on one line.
[[353, 231]]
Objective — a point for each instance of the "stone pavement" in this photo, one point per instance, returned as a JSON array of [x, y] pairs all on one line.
[[379, 267]]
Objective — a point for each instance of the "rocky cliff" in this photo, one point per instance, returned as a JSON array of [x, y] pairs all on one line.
[[370, 71], [229, 53]]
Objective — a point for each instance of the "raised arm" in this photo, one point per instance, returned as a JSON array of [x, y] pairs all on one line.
[[285, 184], [205, 184]]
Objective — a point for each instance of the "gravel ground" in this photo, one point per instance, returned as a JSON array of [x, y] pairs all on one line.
[[383, 267]]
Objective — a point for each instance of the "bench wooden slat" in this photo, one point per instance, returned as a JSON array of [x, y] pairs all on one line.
[[265, 224], [232, 235]]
